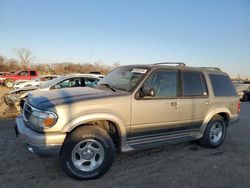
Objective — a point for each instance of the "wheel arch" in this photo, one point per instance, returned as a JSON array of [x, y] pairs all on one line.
[[99, 120], [224, 112]]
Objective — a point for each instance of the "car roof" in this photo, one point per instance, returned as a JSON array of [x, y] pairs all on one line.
[[177, 65]]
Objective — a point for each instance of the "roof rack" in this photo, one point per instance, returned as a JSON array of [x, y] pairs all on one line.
[[171, 63], [211, 68]]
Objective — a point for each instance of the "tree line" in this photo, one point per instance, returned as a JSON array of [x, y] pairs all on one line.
[[25, 60]]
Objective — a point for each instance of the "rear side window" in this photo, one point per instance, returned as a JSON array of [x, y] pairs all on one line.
[[32, 73], [222, 85], [193, 84]]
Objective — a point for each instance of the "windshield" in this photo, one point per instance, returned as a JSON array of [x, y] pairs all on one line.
[[123, 78], [52, 82]]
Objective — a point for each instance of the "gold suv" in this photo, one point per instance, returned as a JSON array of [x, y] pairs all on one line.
[[134, 107]]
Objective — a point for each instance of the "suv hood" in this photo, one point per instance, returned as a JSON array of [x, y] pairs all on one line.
[[47, 99]]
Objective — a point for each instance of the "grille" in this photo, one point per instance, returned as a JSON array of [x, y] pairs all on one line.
[[27, 111]]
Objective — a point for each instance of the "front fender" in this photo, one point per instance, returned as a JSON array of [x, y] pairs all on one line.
[[121, 126]]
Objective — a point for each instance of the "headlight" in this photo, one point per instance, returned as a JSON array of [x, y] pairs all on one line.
[[42, 119], [13, 98]]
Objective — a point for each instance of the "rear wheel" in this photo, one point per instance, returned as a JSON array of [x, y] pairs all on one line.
[[87, 153], [9, 83], [215, 132]]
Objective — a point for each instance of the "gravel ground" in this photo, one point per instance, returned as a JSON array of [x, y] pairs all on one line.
[[181, 165]]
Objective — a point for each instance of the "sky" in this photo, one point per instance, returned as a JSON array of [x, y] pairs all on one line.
[[197, 32]]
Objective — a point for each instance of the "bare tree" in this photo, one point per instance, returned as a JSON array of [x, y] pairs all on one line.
[[24, 56]]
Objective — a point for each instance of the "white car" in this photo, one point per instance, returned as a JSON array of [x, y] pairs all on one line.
[[73, 80], [34, 82]]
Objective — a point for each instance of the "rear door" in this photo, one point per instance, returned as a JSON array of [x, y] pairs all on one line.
[[194, 101]]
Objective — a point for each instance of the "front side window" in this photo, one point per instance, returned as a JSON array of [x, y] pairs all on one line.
[[164, 83], [23, 73], [124, 78], [72, 82], [193, 84]]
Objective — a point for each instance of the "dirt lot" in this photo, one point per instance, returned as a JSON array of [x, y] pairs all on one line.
[[3, 106], [181, 165]]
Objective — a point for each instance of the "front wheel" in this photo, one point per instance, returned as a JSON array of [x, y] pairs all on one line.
[[215, 132], [9, 83], [87, 153]]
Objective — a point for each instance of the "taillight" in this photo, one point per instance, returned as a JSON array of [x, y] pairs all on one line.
[[238, 105]]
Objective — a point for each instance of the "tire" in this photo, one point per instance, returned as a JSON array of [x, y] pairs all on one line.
[[87, 153], [215, 132], [9, 83]]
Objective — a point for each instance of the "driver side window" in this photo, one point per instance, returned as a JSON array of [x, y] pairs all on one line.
[[73, 82], [23, 73], [164, 83]]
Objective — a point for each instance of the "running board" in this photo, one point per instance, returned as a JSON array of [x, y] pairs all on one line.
[[162, 139]]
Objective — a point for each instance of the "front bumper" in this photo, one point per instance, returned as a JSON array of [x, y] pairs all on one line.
[[42, 144]]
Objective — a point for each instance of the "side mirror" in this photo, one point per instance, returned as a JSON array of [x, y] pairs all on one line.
[[147, 92]]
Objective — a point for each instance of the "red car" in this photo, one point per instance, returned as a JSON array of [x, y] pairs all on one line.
[[8, 80]]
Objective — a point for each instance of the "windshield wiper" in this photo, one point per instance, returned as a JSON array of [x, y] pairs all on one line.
[[109, 86]]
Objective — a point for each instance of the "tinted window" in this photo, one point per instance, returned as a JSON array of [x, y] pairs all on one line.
[[222, 85], [32, 73], [193, 84], [164, 82]]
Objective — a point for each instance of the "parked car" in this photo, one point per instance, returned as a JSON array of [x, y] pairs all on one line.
[[246, 94], [8, 80], [74, 80], [241, 90], [133, 107], [33, 82], [4, 73]]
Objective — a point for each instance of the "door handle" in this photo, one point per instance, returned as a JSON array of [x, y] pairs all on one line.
[[207, 102], [173, 104]]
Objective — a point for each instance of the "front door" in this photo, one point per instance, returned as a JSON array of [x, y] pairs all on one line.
[[152, 115]]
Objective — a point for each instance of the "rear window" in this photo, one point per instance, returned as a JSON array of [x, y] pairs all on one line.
[[222, 85], [194, 84]]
